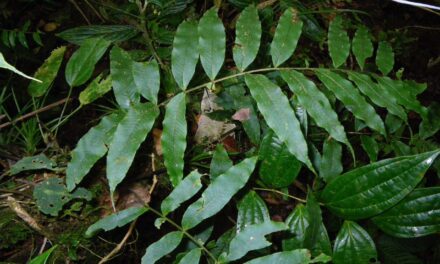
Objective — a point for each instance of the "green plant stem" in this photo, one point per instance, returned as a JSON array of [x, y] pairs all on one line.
[[281, 193], [181, 229]]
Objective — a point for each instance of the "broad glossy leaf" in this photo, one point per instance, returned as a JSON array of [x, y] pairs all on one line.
[[115, 220], [286, 37], [186, 189], [385, 57], [253, 238], [351, 98], [247, 37], [353, 245], [276, 110], [174, 137], [47, 73], [146, 76], [81, 65], [112, 33], [362, 46], [251, 210], [338, 42], [316, 104], [380, 97], [212, 43], [370, 146], [220, 162], [418, 214], [5, 65], [160, 248], [331, 160], [90, 148], [192, 257], [371, 189], [43, 257], [299, 256], [279, 168], [96, 89], [185, 54], [130, 133], [218, 193], [122, 69]]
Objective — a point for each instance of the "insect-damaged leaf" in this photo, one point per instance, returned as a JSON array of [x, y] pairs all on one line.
[[371, 189], [338, 42], [286, 37], [37, 162], [174, 137], [218, 193], [96, 88], [159, 249], [276, 110]]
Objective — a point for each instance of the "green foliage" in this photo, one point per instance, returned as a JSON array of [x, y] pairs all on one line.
[[385, 57], [112, 33], [37, 162], [44, 257], [162, 247], [362, 46], [338, 42], [5, 65]]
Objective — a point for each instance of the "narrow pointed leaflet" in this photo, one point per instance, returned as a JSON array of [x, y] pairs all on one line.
[[161, 248], [338, 42], [385, 57], [362, 47]]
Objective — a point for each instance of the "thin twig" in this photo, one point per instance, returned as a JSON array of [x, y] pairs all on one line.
[[80, 11], [118, 247]]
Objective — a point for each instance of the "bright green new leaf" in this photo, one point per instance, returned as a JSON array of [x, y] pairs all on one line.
[[44, 257], [47, 73], [37, 162], [130, 133], [299, 256], [371, 189], [95, 90], [174, 137], [338, 42], [185, 54], [331, 160], [115, 220], [192, 257], [351, 98], [218, 193], [186, 189], [362, 46], [247, 37], [418, 214], [381, 97], [122, 69], [81, 65], [353, 245], [286, 37], [253, 238], [164, 246], [146, 76], [316, 104], [370, 146], [279, 168], [212, 43], [220, 162], [385, 57], [90, 148], [251, 210], [5, 65], [112, 33], [276, 110]]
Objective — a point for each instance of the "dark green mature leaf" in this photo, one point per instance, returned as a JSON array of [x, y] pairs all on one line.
[[47, 73], [380, 97], [220, 162], [174, 137], [212, 43], [90, 148], [160, 248], [96, 89], [112, 33], [192, 257], [44, 257], [251, 210], [370, 146], [286, 37], [247, 37], [185, 55], [146, 76], [331, 160], [430, 125], [353, 245], [351, 98], [130, 133], [115, 220], [371, 189], [279, 168], [316, 103], [276, 110], [186, 189], [385, 57], [418, 214], [253, 238], [338, 42], [299, 256], [362, 46], [81, 65], [218, 193], [37, 162]]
